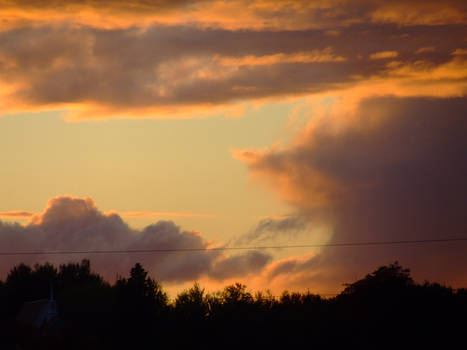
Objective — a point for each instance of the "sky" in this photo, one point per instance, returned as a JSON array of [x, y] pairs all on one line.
[[209, 124]]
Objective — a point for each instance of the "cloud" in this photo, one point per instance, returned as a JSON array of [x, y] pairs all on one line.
[[145, 214], [233, 15], [76, 224], [419, 12], [236, 266], [426, 49], [269, 229], [294, 270], [184, 70], [20, 214], [384, 55], [392, 169], [460, 52], [325, 55], [101, 14]]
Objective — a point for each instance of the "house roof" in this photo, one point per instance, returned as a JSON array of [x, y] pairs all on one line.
[[31, 311]]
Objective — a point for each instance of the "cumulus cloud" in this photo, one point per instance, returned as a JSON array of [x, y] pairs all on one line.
[[393, 169], [76, 224]]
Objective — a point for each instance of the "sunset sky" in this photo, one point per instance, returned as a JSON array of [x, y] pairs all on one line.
[[137, 124]]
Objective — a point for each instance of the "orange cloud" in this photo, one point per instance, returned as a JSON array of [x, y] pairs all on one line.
[[37, 218], [17, 214], [459, 52], [425, 49], [232, 15], [325, 190], [145, 214], [383, 55], [417, 12], [325, 55], [194, 68], [301, 272]]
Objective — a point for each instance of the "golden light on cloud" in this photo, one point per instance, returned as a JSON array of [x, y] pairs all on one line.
[[257, 14], [16, 214], [460, 52], [420, 12], [372, 93], [20, 214], [325, 189], [426, 49], [151, 214], [172, 68], [383, 55], [325, 55]]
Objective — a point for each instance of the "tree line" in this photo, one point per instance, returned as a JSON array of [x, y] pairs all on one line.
[[386, 308]]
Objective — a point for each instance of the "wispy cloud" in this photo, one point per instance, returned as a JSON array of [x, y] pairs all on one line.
[[384, 55], [313, 56], [18, 214], [426, 49], [272, 228], [152, 214]]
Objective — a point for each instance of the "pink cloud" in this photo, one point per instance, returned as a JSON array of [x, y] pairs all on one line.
[[76, 224], [20, 214]]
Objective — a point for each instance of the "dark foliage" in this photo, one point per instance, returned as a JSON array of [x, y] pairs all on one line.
[[386, 309]]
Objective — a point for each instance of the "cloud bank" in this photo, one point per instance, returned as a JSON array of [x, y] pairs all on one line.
[[233, 15], [76, 224], [140, 59]]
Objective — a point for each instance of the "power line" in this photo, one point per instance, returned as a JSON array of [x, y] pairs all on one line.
[[180, 250]]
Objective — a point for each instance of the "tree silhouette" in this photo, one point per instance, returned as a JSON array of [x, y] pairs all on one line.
[[141, 306], [384, 279], [76, 274], [236, 294], [25, 284], [140, 294], [192, 304], [386, 308]]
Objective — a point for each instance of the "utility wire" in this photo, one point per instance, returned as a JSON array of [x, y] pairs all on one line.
[[179, 250]]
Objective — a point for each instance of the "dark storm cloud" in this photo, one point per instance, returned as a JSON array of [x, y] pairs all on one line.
[[395, 171]]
